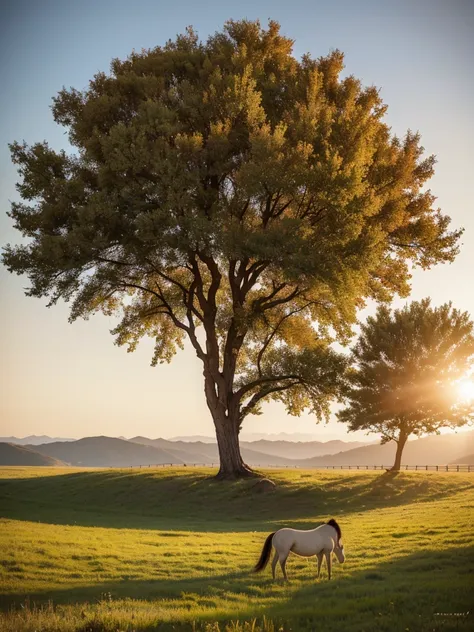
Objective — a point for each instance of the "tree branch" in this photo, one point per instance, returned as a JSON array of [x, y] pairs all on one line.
[[251, 275], [273, 333], [263, 380], [260, 395], [164, 276], [169, 311], [261, 305]]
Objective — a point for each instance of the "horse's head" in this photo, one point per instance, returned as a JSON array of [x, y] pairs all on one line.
[[339, 552]]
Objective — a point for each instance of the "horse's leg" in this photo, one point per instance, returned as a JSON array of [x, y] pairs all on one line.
[[283, 559], [328, 562], [320, 561], [274, 563]]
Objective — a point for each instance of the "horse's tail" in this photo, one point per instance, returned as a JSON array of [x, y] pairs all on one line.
[[265, 554]]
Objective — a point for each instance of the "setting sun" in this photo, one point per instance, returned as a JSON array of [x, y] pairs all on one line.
[[466, 389]]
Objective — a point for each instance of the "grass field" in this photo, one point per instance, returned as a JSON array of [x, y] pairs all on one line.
[[172, 549]]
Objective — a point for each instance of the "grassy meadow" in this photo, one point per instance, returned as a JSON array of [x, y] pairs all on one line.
[[172, 549]]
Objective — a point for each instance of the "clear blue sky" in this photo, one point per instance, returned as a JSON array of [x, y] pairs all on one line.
[[71, 380]]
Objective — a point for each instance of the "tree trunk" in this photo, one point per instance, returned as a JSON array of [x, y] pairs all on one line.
[[402, 439], [232, 465], [226, 423]]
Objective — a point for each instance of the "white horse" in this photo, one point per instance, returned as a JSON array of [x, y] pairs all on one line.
[[322, 541]]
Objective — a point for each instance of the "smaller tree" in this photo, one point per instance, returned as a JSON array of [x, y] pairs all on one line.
[[406, 365]]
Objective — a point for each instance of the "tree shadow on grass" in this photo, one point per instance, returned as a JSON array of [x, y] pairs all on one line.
[[420, 591], [192, 501]]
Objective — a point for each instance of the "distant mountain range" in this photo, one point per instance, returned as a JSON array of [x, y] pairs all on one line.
[[106, 452], [115, 452], [432, 450], [302, 449], [194, 438], [33, 440], [253, 436]]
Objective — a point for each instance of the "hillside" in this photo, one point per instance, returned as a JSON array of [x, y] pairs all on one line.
[[200, 453], [302, 449], [187, 453], [433, 450], [107, 452], [113, 452], [11, 454], [286, 451], [468, 459]]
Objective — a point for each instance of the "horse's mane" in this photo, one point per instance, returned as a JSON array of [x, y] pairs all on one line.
[[333, 523]]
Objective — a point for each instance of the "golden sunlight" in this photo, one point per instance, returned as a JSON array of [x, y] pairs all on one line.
[[465, 389]]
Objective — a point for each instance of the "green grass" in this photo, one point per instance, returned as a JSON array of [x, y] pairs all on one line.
[[170, 549]]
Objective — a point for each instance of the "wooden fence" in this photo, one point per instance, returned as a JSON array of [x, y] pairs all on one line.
[[415, 468]]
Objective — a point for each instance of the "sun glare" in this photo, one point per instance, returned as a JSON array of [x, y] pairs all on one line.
[[466, 389]]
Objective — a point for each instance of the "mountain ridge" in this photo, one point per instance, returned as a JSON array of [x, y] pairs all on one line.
[[34, 439], [12, 454], [102, 451]]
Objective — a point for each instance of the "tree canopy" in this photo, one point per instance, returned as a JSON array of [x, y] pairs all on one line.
[[407, 363], [227, 185]]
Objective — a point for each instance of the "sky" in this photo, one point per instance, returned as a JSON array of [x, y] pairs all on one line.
[[70, 380]]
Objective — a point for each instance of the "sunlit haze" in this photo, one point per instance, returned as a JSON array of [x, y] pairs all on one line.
[[466, 389], [70, 380]]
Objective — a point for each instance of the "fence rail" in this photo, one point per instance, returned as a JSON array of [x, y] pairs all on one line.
[[415, 468]]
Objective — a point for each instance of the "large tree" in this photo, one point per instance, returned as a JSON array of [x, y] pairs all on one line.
[[406, 367], [227, 185]]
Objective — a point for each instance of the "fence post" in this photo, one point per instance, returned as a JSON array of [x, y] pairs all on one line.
[[458, 468]]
